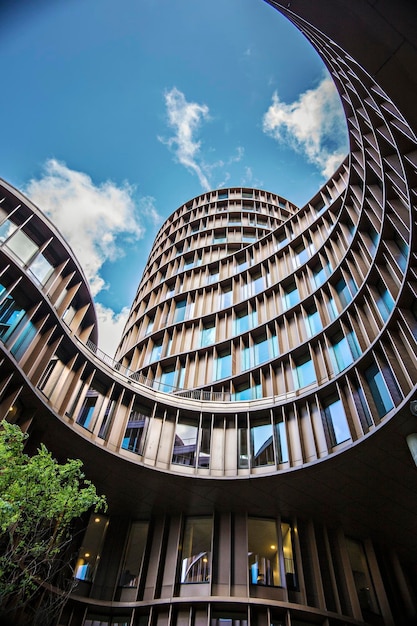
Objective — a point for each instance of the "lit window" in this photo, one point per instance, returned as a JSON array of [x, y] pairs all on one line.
[[263, 552], [90, 551]]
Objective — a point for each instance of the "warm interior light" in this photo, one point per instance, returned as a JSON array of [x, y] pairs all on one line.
[[97, 519], [87, 554], [273, 547], [204, 560]]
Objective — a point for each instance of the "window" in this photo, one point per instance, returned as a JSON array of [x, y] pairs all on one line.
[[137, 424], [320, 274], [180, 309], [379, 390], [196, 550], [223, 195], [133, 557], [149, 327], [263, 552], [208, 334], [213, 276], [291, 296], [343, 292], [166, 382], [258, 283], [281, 442], [205, 443], [262, 445], [244, 321], [23, 247], [335, 421], [10, 316], [223, 364], [362, 576], [304, 373], [245, 391], [344, 350], [332, 308], [156, 351], [243, 449], [226, 297], [86, 412], [261, 349], [41, 269], [313, 322], [289, 563], [219, 237], [384, 300], [400, 252], [90, 551], [185, 443]]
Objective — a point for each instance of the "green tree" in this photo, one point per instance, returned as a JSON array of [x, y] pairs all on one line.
[[39, 500]]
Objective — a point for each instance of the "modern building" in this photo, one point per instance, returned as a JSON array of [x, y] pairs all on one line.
[[253, 432]]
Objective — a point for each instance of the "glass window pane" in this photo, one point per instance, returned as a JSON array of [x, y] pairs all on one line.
[[336, 422], [361, 576], [304, 373], [41, 268], [23, 247], [262, 445], [90, 551], [133, 439], [196, 550], [289, 563], [379, 390], [185, 444], [134, 554], [263, 552]]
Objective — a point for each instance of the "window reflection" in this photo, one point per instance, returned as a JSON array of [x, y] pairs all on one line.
[[135, 550], [185, 444], [361, 576], [196, 550], [262, 444]]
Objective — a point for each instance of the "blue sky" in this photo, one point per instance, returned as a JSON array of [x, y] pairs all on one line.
[[115, 113]]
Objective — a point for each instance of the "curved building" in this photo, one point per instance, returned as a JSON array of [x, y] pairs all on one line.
[[253, 432]]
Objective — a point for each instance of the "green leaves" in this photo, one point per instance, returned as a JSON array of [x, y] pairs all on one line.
[[39, 499]]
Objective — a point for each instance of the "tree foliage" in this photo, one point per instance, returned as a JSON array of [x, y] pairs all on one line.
[[39, 499]]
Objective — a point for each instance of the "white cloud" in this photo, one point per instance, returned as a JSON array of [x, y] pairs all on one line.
[[185, 118], [96, 220], [314, 125], [110, 327]]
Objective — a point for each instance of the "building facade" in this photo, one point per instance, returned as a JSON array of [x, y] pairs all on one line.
[[252, 432]]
